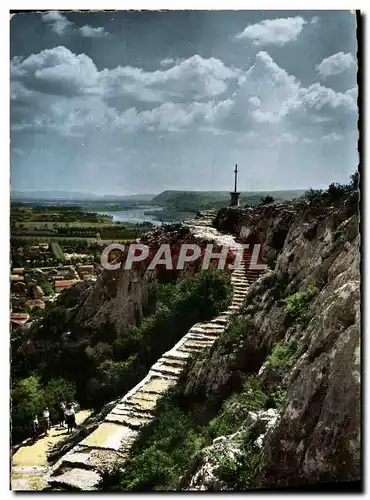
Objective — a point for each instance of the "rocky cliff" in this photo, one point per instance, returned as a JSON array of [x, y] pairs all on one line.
[[300, 338]]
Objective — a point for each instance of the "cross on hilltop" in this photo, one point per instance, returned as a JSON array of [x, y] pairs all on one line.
[[234, 202]]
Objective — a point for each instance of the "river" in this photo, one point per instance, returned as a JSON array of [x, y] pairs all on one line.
[[134, 215]]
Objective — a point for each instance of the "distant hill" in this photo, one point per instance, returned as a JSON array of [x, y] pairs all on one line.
[[75, 196], [129, 197], [198, 200]]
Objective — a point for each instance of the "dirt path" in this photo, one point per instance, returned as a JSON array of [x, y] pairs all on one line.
[[29, 463]]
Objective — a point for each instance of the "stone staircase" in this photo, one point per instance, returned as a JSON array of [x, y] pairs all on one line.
[[82, 467], [204, 218]]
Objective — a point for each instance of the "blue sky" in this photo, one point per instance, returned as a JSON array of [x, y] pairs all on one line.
[[134, 102]]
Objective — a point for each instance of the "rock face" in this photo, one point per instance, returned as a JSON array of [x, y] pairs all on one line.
[[317, 435], [118, 298]]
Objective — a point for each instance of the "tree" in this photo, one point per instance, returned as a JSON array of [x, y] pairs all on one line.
[[336, 190], [313, 195], [355, 180], [266, 200], [27, 401]]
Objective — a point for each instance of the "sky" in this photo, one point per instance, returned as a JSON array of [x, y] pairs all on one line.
[[140, 102]]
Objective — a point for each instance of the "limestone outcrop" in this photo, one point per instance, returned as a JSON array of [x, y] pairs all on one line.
[[308, 303]]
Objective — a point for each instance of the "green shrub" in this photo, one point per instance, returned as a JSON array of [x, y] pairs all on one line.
[[234, 333], [112, 379], [248, 462], [266, 200], [354, 180], [281, 354], [276, 399], [336, 191], [236, 408], [313, 195], [239, 470], [296, 304], [27, 401]]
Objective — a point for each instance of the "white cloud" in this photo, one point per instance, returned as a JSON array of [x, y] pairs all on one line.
[[62, 26], [58, 23], [169, 61], [59, 71], [336, 64], [273, 31], [89, 31], [56, 71], [59, 91], [286, 138], [331, 138], [318, 104]]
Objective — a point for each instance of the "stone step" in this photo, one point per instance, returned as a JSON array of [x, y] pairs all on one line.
[[76, 479], [220, 320], [210, 326], [156, 385], [108, 436], [80, 459], [131, 422], [128, 409], [206, 331], [142, 404], [133, 413], [191, 349], [162, 368], [199, 336], [175, 355], [198, 343], [176, 363], [211, 329], [235, 307]]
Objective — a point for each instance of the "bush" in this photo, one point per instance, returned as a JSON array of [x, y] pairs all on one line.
[[354, 184], [336, 191], [236, 408], [266, 200], [234, 333], [281, 354], [27, 401], [112, 379], [313, 195], [296, 304]]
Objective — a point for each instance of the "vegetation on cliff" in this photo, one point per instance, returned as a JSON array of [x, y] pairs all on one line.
[[275, 401]]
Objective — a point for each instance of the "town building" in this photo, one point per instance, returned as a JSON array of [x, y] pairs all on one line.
[[19, 318], [60, 285]]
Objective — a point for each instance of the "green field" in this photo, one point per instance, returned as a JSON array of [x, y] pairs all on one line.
[[51, 225], [46, 239]]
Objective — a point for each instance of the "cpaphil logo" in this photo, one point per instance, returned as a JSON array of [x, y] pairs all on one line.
[[238, 256]]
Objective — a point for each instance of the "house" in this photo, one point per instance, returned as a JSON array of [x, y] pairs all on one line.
[[19, 318], [86, 272], [62, 284], [18, 270], [16, 277], [31, 304]]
